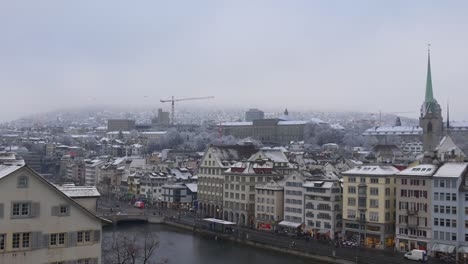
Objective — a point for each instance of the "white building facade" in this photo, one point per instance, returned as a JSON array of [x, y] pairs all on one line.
[[40, 224]]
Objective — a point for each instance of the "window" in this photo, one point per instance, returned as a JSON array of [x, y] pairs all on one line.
[[21, 240], [387, 204], [83, 237], [57, 240], [374, 216], [436, 196], [387, 181], [352, 179], [351, 214], [374, 180], [387, 191], [374, 191], [2, 241], [20, 209], [22, 181], [363, 180], [436, 208], [454, 196], [64, 210], [374, 203], [351, 189]]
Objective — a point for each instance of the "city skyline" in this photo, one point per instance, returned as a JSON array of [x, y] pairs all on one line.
[[303, 56]]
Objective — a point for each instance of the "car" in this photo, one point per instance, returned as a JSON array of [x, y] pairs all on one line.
[[139, 204], [416, 254]]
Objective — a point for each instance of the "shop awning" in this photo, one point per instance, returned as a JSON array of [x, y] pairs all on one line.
[[463, 250], [289, 224], [443, 248], [323, 231]]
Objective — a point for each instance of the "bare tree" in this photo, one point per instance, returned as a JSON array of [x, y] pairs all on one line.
[[131, 249]]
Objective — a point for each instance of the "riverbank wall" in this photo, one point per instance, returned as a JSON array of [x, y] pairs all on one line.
[[217, 236]]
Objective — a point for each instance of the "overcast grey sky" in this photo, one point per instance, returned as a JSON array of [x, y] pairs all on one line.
[[304, 55]]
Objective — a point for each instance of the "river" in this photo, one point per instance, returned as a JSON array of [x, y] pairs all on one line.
[[179, 246]]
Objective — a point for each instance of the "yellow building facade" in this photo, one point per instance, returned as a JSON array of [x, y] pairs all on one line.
[[369, 205]]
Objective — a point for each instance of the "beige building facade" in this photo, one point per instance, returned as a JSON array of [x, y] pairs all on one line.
[[269, 206], [239, 197], [214, 162], [413, 208]]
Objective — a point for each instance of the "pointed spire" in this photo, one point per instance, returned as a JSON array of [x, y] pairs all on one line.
[[429, 94]]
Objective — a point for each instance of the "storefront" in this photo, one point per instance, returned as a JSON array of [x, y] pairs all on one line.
[[264, 226], [290, 227], [443, 251], [463, 254]]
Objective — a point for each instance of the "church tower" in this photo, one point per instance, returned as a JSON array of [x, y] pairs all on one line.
[[431, 118]]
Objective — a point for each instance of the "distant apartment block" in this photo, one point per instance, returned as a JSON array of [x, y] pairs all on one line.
[[120, 125], [254, 114]]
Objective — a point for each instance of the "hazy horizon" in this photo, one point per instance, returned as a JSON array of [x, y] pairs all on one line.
[[360, 56]]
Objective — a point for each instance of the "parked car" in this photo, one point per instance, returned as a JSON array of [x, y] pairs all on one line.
[[416, 254], [139, 204]]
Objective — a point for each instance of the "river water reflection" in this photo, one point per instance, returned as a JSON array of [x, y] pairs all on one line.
[[178, 246]]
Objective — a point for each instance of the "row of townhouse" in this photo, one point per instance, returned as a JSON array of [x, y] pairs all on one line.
[[159, 187], [420, 207], [262, 189], [44, 223]]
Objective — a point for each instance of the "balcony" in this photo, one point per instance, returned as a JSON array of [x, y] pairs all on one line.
[[412, 211]]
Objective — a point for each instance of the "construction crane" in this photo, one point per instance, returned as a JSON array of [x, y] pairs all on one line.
[[380, 114], [172, 101]]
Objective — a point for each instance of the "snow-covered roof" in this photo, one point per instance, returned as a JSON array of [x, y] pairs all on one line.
[[225, 154], [272, 185], [373, 170], [451, 170], [275, 155], [458, 124], [420, 170], [6, 170], [154, 133], [73, 191], [291, 122], [318, 184], [237, 123], [118, 132], [317, 121], [393, 130], [193, 187]]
